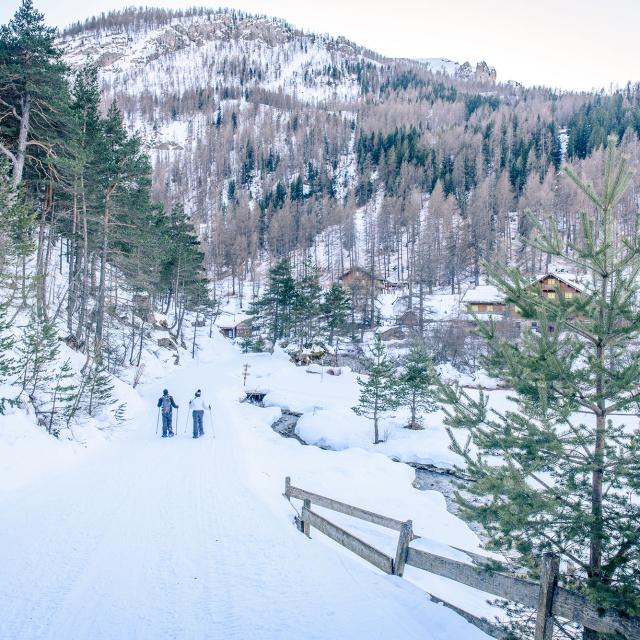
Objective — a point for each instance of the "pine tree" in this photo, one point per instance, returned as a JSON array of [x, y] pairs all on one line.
[[98, 391], [59, 399], [37, 354], [33, 90], [378, 392], [306, 304], [7, 360], [335, 310], [417, 388], [273, 311], [565, 478]]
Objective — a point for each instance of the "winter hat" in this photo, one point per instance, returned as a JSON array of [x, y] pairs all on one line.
[[165, 392], [198, 392]]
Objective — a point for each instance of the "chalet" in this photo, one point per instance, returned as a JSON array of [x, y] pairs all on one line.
[[488, 299], [553, 283], [485, 299], [357, 277], [236, 329]]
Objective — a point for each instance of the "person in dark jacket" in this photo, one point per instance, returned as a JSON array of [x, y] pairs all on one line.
[[167, 404]]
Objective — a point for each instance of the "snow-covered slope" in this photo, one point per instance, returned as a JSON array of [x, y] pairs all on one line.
[[224, 48], [155, 538]]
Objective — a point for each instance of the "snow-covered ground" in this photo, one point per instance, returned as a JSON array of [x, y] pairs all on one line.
[[143, 537]]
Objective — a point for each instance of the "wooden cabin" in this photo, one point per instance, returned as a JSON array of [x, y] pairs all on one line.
[[552, 283], [488, 299], [357, 277], [485, 299], [239, 329]]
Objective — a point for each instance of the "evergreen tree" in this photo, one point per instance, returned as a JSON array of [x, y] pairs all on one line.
[[378, 392], [306, 305], [33, 90], [59, 399], [417, 387], [565, 479], [273, 311], [98, 391], [37, 354], [335, 310], [7, 360]]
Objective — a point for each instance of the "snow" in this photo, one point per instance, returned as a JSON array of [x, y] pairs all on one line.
[[143, 537], [440, 65], [483, 294]]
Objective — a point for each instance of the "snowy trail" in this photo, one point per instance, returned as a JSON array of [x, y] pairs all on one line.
[[157, 538]]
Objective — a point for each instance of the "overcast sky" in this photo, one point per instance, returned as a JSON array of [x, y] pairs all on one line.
[[570, 44]]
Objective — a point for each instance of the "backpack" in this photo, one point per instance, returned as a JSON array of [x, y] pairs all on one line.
[[166, 404]]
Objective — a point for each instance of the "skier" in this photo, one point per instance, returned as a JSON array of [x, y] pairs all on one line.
[[167, 405], [198, 406]]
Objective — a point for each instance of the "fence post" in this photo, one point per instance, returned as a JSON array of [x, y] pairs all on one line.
[[406, 534], [548, 583], [306, 525], [287, 485]]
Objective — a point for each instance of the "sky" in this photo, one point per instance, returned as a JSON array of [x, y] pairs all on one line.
[[565, 44]]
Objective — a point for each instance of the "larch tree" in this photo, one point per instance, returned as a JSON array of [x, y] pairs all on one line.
[[378, 392]]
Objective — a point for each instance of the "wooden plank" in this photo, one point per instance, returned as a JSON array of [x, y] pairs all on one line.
[[491, 629], [306, 525], [342, 507], [548, 584], [349, 541], [497, 584], [573, 606], [404, 539], [566, 604]]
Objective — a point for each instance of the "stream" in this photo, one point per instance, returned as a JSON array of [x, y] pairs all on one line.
[[427, 478]]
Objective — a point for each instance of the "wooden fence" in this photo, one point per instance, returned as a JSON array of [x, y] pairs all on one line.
[[545, 596]]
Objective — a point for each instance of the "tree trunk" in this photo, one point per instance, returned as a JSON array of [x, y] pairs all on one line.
[[102, 284], [21, 152]]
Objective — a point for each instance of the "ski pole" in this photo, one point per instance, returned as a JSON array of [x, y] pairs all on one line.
[[213, 431], [177, 418], [186, 423], [157, 420]]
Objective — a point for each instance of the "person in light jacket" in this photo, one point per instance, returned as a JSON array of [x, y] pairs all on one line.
[[197, 407]]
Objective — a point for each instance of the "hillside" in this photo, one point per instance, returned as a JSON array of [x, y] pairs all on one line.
[[275, 140]]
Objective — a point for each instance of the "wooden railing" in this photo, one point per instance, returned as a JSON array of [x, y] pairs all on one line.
[[545, 596]]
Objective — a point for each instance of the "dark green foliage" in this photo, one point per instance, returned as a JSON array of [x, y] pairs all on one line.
[[590, 127], [59, 399], [335, 310], [306, 305], [7, 360], [417, 384], [33, 93], [378, 391], [273, 313]]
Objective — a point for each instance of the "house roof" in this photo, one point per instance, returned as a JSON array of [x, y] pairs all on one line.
[[563, 277], [232, 324], [483, 294], [367, 274]]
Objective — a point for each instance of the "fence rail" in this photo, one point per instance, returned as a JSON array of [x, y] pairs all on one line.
[[545, 596]]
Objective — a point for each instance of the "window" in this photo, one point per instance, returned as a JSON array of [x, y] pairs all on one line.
[[568, 295], [489, 307], [551, 294], [551, 281]]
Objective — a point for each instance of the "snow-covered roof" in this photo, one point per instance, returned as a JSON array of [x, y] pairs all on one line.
[[568, 279], [483, 294]]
